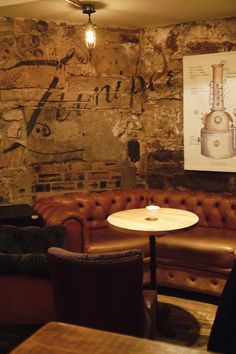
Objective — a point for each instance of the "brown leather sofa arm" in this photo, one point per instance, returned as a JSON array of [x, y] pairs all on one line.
[[71, 218], [75, 236]]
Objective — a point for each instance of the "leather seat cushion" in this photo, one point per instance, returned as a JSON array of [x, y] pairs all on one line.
[[205, 246], [107, 240], [200, 245]]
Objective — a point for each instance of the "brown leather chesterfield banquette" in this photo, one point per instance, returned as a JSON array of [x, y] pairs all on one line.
[[198, 258]]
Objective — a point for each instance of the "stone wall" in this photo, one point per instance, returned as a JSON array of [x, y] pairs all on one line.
[[162, 53], [75, 120], [60, 106]]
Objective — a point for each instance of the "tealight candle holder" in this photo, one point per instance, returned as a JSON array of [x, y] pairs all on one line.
[[152, 212]]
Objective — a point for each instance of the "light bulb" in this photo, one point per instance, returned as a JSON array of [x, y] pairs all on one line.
[[90, 36]]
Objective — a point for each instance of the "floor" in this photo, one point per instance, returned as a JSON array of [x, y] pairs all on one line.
[[190, 319], [188, 323]]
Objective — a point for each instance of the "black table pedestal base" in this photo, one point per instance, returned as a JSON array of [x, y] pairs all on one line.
[[163, 312]]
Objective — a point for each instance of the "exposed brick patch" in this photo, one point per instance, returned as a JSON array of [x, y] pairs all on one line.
[[71, 176]]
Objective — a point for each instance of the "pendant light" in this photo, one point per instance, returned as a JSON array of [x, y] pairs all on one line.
[[90, 33]]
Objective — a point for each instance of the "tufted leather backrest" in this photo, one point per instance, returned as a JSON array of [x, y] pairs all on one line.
[[109, 202], [213, 209]]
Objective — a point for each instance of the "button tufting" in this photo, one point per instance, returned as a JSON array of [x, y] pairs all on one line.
[[192, 278]]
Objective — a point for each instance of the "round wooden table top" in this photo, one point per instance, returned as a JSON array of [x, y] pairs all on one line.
[[138, 220]]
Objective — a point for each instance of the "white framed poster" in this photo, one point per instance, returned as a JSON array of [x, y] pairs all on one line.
[[210, 112]]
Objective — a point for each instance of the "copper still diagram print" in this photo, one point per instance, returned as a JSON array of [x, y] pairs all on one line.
[[218, 136]]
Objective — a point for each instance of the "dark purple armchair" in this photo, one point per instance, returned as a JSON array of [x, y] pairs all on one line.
[[103, 291]]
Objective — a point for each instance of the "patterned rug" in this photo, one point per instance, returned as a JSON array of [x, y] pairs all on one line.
[[188, 321]]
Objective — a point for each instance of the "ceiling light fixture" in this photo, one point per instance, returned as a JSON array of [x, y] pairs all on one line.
[[90, 33]]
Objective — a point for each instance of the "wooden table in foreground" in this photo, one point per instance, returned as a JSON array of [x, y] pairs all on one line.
[[138, 221], [59, 338]]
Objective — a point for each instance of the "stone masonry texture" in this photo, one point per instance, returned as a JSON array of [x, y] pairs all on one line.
[[72, 120]]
